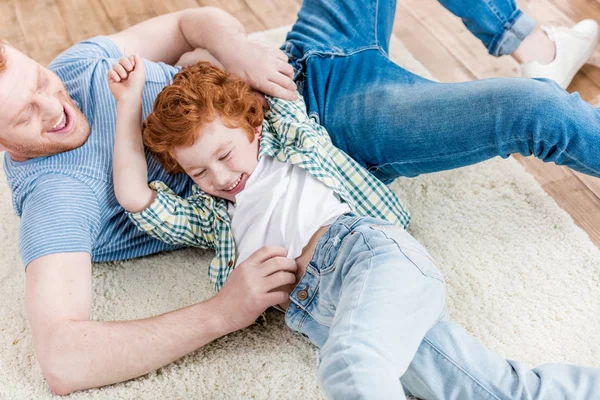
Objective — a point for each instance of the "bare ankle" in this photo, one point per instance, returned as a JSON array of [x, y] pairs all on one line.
[[537, 46]]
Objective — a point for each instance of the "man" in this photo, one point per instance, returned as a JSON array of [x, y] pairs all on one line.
[[70, 216]]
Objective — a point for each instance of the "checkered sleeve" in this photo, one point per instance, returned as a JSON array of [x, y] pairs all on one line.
[[176, 220]]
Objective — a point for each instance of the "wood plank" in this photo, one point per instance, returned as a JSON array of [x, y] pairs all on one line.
[[163, 7], [274, 13], [44, 29], [442, 64], [10, 28], [592, 183], [240, 10], [125, 13], [569, 193], [85, 19], [451, 32]]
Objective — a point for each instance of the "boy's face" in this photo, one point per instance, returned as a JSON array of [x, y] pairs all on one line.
[[221, 160]]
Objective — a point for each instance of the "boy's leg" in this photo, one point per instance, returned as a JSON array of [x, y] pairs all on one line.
[[378, 293], [397, 123], [499, 24], [451, 364], [334, 25]]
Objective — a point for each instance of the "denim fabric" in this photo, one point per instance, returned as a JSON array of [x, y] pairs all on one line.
[[369, 295], [373, 301], [396, 123]]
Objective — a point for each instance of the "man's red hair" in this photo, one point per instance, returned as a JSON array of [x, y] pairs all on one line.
[[199, 94]]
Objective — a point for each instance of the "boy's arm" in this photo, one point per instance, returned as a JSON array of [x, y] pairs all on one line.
[[76, 353], [130, 172]]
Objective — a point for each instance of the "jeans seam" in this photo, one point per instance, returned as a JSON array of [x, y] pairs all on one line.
[[375, 23], [444, 355]]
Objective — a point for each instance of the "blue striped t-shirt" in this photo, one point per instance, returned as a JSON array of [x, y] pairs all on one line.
[[66, 201]]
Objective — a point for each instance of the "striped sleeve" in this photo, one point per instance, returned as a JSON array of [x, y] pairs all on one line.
[[60, 214], [176, 220]]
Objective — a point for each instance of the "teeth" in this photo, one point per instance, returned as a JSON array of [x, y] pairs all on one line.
[[230, 188], [60, 121]]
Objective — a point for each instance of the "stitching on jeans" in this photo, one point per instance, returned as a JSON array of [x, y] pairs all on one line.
[[479, 383], [494, 11], [375, 22]]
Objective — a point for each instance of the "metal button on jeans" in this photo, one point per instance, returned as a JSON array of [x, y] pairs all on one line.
[[302, 295]]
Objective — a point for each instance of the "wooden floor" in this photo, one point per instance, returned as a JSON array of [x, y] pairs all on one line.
[[43, 28]]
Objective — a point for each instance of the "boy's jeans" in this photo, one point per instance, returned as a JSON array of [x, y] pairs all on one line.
[[396, 123], [373, 301]]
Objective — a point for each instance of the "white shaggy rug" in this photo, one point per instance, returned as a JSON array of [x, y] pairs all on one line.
[[521, 277]]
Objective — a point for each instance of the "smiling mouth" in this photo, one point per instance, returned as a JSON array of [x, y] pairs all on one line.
[[61, 123], [233, 186]]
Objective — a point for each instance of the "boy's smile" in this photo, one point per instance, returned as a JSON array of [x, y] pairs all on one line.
[[221, 160]]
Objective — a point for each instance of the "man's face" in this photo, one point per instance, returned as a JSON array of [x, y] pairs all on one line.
[[37, 116], [221, 160]]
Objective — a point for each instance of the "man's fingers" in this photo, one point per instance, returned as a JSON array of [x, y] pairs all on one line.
[[278, 279], [287, 70], [277, 264], [265, 253], [281, 55], [275, 298], [275, 90], [284, 81]]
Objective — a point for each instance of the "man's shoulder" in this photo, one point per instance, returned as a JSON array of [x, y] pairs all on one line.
[[86, 52], [42, 180]]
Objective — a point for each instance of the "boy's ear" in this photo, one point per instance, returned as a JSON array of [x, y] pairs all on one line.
[[258, 130]]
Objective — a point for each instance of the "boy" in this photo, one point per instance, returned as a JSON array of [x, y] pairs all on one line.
[[362, 289]]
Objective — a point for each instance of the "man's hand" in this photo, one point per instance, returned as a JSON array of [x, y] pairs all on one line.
[[127, 77], [264, 67], [255, 285]]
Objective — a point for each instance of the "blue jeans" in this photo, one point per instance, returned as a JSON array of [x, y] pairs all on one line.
[[373, 301], [396, 123]]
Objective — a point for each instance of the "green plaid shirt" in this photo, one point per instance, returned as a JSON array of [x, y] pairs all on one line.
[[289, 136]]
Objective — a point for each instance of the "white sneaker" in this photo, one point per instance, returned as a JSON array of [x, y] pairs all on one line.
[[574, 46]]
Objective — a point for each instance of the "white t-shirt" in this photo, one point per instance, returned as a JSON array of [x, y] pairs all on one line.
[[281, 205]]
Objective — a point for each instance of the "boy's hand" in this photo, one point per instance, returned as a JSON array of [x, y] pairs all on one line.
[[251, 288], [127, 77]]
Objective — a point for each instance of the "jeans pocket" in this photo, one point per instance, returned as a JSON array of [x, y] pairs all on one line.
[[412, 249]]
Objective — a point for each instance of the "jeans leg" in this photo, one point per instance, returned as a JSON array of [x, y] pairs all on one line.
[[451, 365], [499, 24], [390, 294], [336, 26], [399, 124]]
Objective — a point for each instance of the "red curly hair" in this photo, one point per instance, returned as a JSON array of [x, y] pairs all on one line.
[[199, 94]]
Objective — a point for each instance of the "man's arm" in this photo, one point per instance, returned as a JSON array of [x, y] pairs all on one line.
[[76, 353], [168, 37]]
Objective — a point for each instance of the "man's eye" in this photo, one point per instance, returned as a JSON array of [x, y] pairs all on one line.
[[225, 156], [25, 117]]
